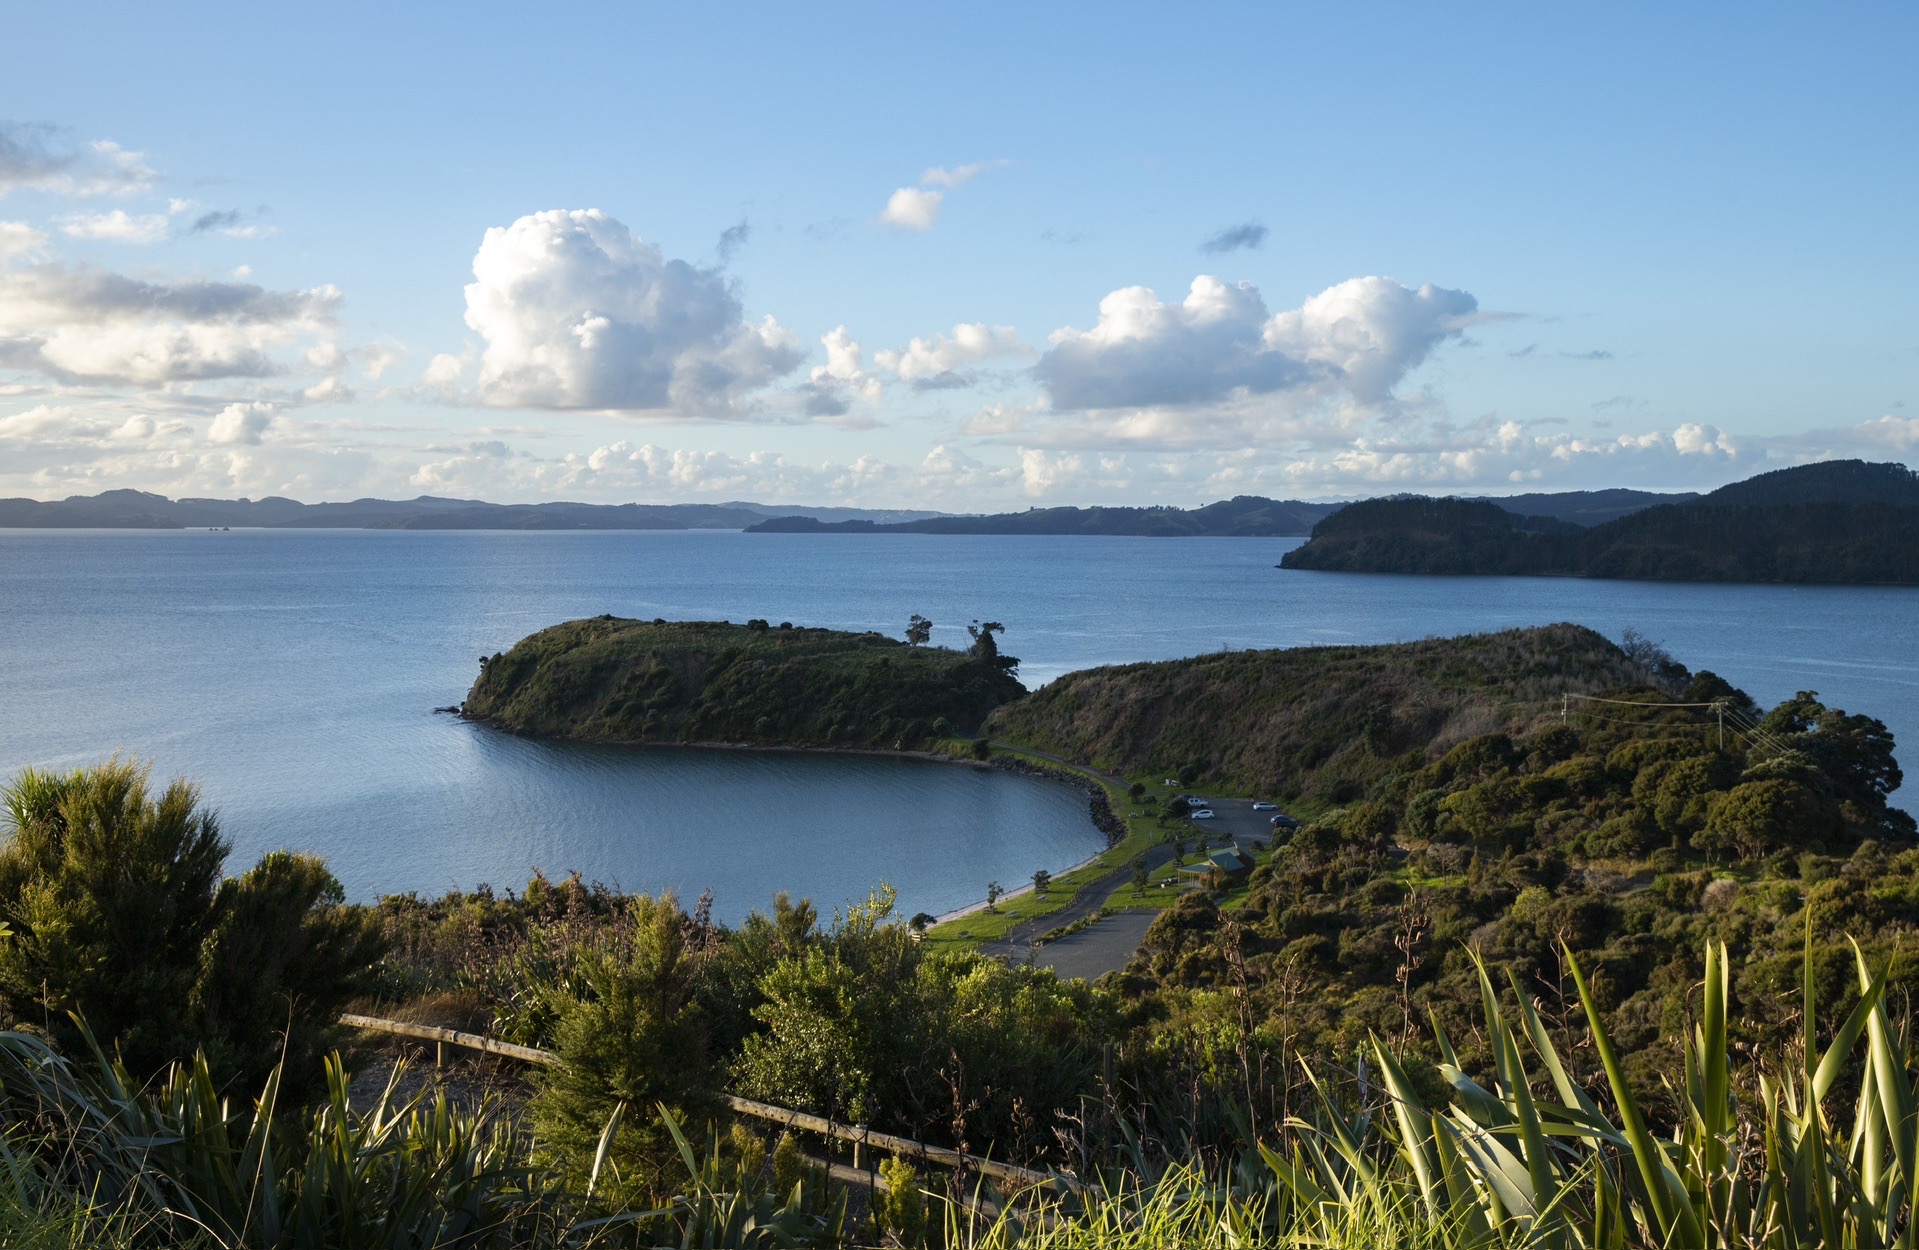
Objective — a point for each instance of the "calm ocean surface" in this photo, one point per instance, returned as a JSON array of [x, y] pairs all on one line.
[[293, 674]]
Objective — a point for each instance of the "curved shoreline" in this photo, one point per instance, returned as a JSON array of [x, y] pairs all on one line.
[[1104, 818], [1100, 814]]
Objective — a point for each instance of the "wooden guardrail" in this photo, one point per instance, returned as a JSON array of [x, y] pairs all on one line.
[[450, 1037], [858, 1135]]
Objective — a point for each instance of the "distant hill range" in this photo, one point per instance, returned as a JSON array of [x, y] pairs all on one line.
[[1841, 521], [1247, 516], [133, 509], [1244, 516]]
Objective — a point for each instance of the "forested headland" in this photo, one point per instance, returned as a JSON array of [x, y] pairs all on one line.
[[613, 680], [1836, 522]]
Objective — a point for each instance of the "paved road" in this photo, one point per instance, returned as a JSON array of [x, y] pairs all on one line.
[[1106, 946], [1018, 942]]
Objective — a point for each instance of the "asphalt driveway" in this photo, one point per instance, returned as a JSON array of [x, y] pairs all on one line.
[[1105, 947], [1108, 945]]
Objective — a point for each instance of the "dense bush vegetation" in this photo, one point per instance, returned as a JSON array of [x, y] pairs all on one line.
[[857, 1021], [120, 917], [1841, 522], [636, 681], [1629, 836]]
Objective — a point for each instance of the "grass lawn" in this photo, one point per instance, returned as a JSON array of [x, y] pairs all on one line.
[[1143, 831]]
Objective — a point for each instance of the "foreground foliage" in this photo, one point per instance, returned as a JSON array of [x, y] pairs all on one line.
[[1769, 1152], [119, 913]]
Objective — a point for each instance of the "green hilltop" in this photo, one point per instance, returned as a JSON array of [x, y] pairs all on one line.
[[613, 680], [1321, 723]]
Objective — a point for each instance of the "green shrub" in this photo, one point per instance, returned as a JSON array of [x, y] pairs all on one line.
[[790, 1164], [900, 1208], [121, 918], [111, 896], [284, 959], [635, 1042]]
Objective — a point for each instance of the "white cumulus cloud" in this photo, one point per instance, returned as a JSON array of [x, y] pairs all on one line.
[[832, 386], [578, 312], [77, 323], [1361, 337], [1371, 331], [937, 355], [918, 207], [913, 208], [242, 423], [118, 226]]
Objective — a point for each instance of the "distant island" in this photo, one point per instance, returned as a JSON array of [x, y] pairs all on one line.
[[1246, 516], [1843, 521], [136, 509], [755, 684], [1243, 516]]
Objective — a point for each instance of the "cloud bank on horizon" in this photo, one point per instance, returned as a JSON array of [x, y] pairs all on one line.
[[184, 379]]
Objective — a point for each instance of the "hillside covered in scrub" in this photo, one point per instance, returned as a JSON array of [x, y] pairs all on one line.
[[1838, 522], [613, 680], [1629, 836], [1315, 723]]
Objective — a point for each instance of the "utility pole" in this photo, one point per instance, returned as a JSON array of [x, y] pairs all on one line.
[[1565, 704], [1719, 709]]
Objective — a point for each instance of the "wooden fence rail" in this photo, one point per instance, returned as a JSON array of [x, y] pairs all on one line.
[[450, 1037], [858, 1135]]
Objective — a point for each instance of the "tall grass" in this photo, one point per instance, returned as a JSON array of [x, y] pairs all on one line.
[[1535, 1160], [175, 1163]]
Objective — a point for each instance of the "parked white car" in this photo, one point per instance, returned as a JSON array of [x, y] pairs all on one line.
[[1204, 813], [1265, 807]]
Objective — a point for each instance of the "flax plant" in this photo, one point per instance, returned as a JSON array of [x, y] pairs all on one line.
[[1534, 1160]]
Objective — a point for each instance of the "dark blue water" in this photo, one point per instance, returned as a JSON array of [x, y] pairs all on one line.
[[293, 673]]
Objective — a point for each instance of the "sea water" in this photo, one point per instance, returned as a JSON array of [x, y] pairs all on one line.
[[293, 675]]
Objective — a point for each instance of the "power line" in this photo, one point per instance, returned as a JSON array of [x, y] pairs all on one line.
[[1724, 713], [1593, 698]]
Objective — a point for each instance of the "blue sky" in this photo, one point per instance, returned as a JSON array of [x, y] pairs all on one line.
[[1470, 248]]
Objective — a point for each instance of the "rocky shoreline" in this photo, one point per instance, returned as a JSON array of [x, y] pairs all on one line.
[[1099, 803]]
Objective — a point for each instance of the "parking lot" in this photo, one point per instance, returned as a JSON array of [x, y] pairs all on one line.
[[1235, 819]]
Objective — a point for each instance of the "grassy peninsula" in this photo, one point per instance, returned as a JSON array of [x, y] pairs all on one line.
[[612, 680], [1837, 522]]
